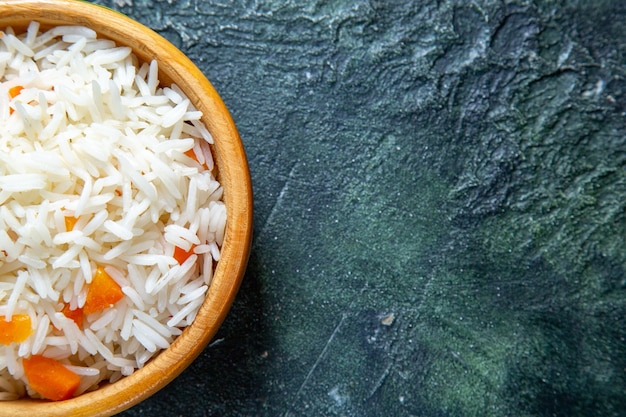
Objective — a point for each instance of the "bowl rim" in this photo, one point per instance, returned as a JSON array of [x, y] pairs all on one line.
[[233, 174]]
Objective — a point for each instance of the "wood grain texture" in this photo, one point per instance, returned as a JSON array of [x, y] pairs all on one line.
[[233, 174]]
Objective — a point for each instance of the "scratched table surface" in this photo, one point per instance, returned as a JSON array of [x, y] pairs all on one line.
[[439, 207]]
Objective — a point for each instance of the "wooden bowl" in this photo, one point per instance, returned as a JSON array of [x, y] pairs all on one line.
[[233, 174]]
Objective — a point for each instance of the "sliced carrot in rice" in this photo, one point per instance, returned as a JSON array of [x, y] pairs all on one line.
[[15, 91], [103, 292], [181, 254], [76, 314], [70, 222], [190, 153], [50, 378], [16, 330]]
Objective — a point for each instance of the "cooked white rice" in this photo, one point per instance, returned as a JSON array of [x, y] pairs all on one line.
[[93, 135]]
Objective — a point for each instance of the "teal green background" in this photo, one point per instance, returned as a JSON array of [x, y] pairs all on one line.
[[439, 207]]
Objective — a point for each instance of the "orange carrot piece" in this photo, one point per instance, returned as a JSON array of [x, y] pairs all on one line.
[[181, 254], [15, 331], [190, 153], [70, 222], [15, 91], [103, 292], [50, 378], [76, 314]]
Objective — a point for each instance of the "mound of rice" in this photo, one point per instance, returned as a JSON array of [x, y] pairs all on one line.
[[92, 135]]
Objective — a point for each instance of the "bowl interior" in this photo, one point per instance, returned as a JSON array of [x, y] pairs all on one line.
[[232, 173]]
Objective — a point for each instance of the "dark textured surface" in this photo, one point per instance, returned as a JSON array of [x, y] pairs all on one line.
[[439, 193]]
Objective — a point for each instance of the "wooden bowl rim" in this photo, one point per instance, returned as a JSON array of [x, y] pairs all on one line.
[[233, 174]]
